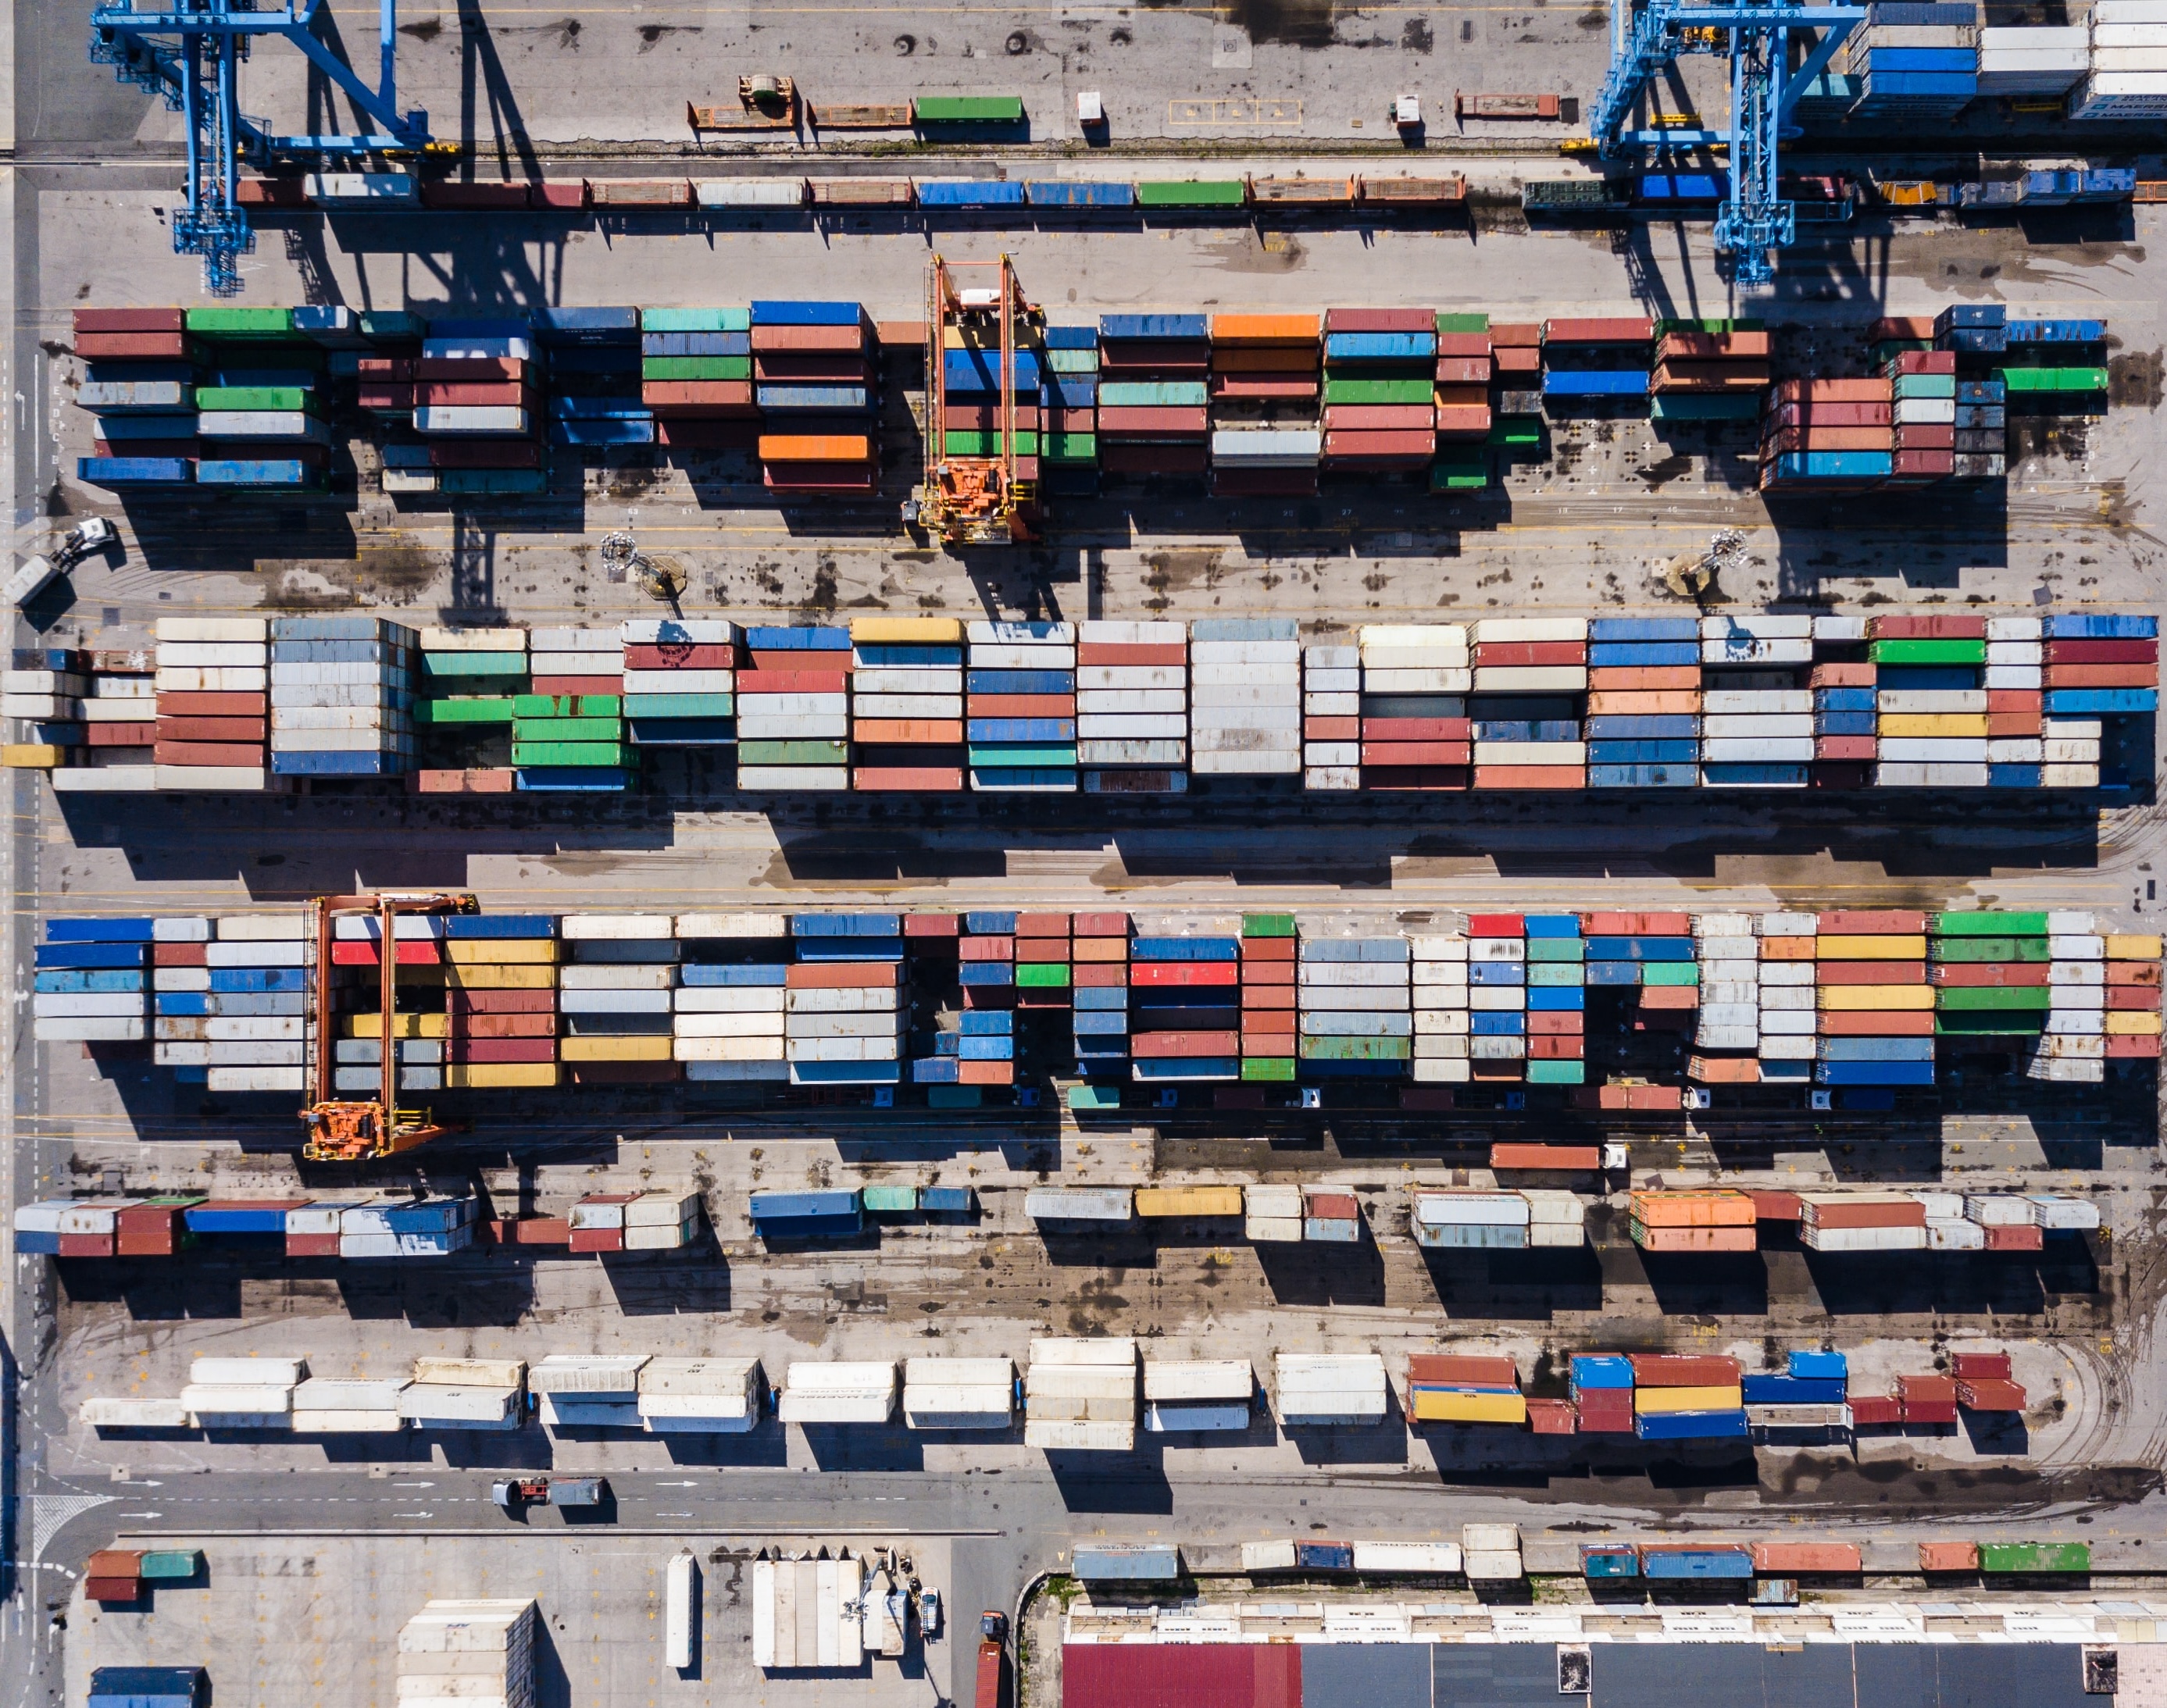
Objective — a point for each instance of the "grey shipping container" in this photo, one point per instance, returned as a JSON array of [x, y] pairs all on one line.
[[1134, 1563]]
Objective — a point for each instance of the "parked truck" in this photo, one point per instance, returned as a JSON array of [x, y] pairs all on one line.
[[992, 1658]]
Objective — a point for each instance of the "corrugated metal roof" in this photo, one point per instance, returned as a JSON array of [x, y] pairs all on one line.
[[1367, 1674], [1169, 1675]]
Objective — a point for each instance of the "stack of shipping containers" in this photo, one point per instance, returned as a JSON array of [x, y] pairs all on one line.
[[342, 697], [1080, 1395], [1790, 1017], [1917, 64], [1924, 389], [1930, 700], [1269, 1000], [1976, 332], [1440, 996], [906, 688], [1683, 1397], [1245, 697], [139, 380], [249, 955], [1267, 435], [1465, 418], [476, 409], [1995, 981], [1870, 972], [1844, 684], [1596, 365], [120, 721], [814, 382], [2131, 973], [2016, 681], [1690, 1221], [614, 997], [1355, 1014], [727, 1015], [89, 980], [1332, 717], [595, 367], [1044, 969], [213, 701], [499, 1000], [695, 376], [1530, 683], [1020, 707], [1153, 394], [1648, 959], [1496, 979], [259, 418], [680, 682], [1828, 436], [1517, 428], [1099, 946], [972, 405], [1464, 1389], [357, 943], [1601, 1394], [987, 971], [1756, 717], [1379, 390], [843, 1023], [1184, 1008], [1416, 732], [2053, 368], [1133, 707], [793, 709], [1558, 968], [1644, 677], [568, 732], [2098, 666], [45, 690], [1728, 1021], [464, 708], [1069, 411], [1709, 371], [2124, 78]]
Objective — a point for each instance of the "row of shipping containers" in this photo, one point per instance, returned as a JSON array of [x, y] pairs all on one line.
[[1750, 701], [1851, 1002]]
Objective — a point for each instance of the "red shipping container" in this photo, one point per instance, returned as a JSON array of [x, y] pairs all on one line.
[[1796, 1559], [1551, 1417], [1515, 359], [1685, 1370], [1843, 676], [491, 394], [1161, 1046], [125, 735], [1788, 439], [1403, 754], [209, 753], [1195, 1675], [461, 1001], [86, 1245], [1988, 1394], [1381, 320], [1021, 705], [1506, 333], [1462, 1370], [1928, 1415], [384, 396], [536, 1024], [1113, 653], [762, 680], [1102, 975], [2102, 652], [841, 975], [1948, 1557], [1844, 747], [1887, 922], [1151, 421], [1647, 678], [1546, 1049], [1099, 925], [1291, 387], [981, 949], [2128, 1048], [908, 779], [1926, 361], [1277, 949], [1496, 925], [1379, 418], [1418, 729], [1525, 653], [1835, 391], [2102, 675], [2133, 972], [680, 657], [1618, 329], [1332, 729], [1573, 1157], [460, 370], [1636, 924], [1924, 464], [1464, 343], [2133, 999], [2014, 725], [824, 340], [1175, 974], [985, 1073], [1412, 447], [2001, 976], [136, 347], [704, 395], [1542, 1022], [130, 320], [111, 1591], [1464, 370], [2017, 1239], [407, 953], [1917, 628], [487, 1049], [312, 1245], [1918, 436], [1268, 1043], [1776, 1206], [576, 685], [596, 1240], [180, 954], [1875, 1411], [1891, 327], [1902, 1022]]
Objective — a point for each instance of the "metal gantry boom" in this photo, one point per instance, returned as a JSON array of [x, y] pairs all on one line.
[[1646, 36], [191, 55], [974, 500]]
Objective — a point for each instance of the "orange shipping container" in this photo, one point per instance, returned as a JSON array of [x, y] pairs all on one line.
[[1723, 1070], [1669, 997], [1669, 703], [906, 732], [1530, 777], [814, 447], [1747, 1239], [1692, 1209], [1792, 1558], [1948, 1557], [1265, 329], [1787, 949]]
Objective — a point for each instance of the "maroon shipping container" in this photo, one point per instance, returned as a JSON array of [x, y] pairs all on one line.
[[1948, 1557], [1551, 1417], [136, 347], [1845, 747], [1381, 320], [463, 370], [1463, 344], [130, 320], [271, 192], [1140, 421], [1926, 361], [249, 758], [1464, 370], [179, 955], [1926, 1390], [1390, 754], [1158, 1046], [1875, 1410], [1832, 414], [490, 394], [1865, 921], [1796, 1559], [1414, 729], [1924, 463], [1459, 1370], [465, 1024], [809, 340], [1617, 330], [312, 1245], [1990, 1394], [1265, 387], [460, 1001], [1379, 418], [1370, 447], [209, 729], [1913, 436], [1685, 1370], [1823, 1215], [559, 195], [2102, 652], [498, 1050], [2029, 1238], [1524, 654], [1835, 391]]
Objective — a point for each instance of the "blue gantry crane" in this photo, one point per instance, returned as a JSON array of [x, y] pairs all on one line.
[[191, 55], [1647, 35]]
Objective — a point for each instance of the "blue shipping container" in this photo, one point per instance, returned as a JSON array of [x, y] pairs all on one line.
[[1761, 1389], [1054, 192], [1643, 753], [1819, 1366], [2101, 701], [968, 193], [1646, 727], [1640, 629], [2073, 626], [136, 471], [1690, 1426], [775, 312], [1154, 326], [1874, 1073], [1631, 655], [1697, 1562], [1594, 383], [1643, 777]]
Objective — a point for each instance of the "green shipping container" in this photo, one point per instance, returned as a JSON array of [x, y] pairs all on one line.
[[1025, 754], [2031, 949], [1315, 1048], [1925, 385], [1987, 922], [1992, 999], [1556, 949], [1378, 391], [547, 755], [1557, 1073], [710, 368], [968, 110], [681, 705], [2017, 379], [696, 319], [1041, 976], [1071, 447], [1081, 1098], [473, 664], [255, 397], [797, 752], [1462, 322], [953, 443], [967, 1096], [1670, 972], [567, 705], [1556, 975], [1927, 652], [567, 729], [2035, 1557], [1268, 925], [1153, 394], [890, 1200], [241, 323], [498, 711], [1269, 1070], [1069, 361], [171, 1565], [1197, 193]]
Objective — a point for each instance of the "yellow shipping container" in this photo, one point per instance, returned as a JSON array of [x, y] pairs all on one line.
[[2131, 946], [480, 1074], [500, 951], [30, 756], [2132, 1023], [1892, 947], [1870, 998], [402, 1025], [1433, 1405], [906, 631], [1787, 948], [1647, 1399], [1188, 1201], [500, 978], [1942, 724], [649, 1049], [1694, 1209]]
